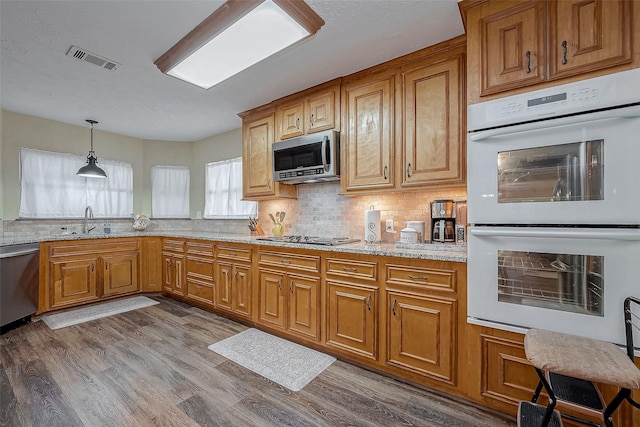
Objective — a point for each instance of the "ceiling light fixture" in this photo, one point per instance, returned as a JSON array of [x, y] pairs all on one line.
[[91, 170], [237, 35]]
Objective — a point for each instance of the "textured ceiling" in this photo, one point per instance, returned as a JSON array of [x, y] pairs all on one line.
[[37, 78]]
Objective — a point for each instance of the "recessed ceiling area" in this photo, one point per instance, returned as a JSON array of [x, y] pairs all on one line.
[[39, 79]]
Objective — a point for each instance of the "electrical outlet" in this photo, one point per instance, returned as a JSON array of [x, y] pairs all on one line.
[[389, 228]]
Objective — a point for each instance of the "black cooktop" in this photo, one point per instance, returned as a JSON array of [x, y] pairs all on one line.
[[311, 240]]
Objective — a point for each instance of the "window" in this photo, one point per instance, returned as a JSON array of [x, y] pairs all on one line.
[[170, 191], [223, 191], [50, 188]]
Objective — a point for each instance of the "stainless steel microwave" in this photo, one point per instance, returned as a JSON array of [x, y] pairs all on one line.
[[307, 159]]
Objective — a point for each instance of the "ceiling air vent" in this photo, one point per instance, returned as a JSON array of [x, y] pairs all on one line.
[[84, 55]]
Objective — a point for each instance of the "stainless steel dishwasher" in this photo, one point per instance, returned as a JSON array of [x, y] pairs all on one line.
[[19, 275]]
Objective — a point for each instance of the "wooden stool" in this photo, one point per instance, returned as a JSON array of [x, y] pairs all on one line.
[[568, 365]]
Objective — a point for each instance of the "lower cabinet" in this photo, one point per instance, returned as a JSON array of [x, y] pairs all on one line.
[[233, 285], [352, 323], [199, 269], [421, 335], [79, 272], [173, 263]]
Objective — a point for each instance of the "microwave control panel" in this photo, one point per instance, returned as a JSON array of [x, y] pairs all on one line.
[[300, 173]]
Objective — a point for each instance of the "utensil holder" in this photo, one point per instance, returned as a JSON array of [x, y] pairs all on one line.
[[277, 229]]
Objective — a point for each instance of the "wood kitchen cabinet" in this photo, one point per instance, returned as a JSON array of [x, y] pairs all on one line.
[[433, 144], [352, 307], [309, 113], [173, 261], [199, 268], [515, 44], [258, 133], [289, 293], [368, 134], [233, 283], [83, 271]]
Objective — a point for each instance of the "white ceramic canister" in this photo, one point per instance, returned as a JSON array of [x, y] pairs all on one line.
[[408, 235], [419, 226]]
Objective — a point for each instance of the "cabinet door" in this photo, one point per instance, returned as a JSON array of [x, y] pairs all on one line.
[[257, 138], [290, 120], [367, 140], [434, 131], [304, 301], [223, 285], [242, 289], [320, 111], [73, 282], [168, 273], [120, 274], [587, 35], [512, 50], [421, 335], [352, 319], [271, 298]]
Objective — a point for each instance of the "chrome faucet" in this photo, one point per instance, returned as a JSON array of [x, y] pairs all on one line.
[[88, 214]]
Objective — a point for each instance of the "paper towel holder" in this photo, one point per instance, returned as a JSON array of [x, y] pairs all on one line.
[[372, 232]]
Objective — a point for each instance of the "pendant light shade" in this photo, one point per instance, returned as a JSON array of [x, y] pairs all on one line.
[[91, 170]]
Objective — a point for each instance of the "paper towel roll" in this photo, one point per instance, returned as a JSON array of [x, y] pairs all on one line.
[[372, 228]]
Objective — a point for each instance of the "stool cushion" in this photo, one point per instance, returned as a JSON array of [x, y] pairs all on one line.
[[580, 357]]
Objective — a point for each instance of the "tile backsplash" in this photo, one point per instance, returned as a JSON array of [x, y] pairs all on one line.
[[321, 211]]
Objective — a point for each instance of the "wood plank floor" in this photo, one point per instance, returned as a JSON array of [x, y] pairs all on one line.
[[151, 367]]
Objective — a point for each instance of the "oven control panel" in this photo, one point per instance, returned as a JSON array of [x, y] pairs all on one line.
[[586, 95]]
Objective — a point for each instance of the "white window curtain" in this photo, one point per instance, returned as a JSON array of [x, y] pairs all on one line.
[[50, 188], [170, 191], [223, 191]]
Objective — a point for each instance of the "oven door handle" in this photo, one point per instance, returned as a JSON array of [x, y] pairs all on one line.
[[621, 113], [600, 234]]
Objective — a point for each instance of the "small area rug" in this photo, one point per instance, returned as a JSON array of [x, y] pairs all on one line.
[[85, 314], [289, 364]]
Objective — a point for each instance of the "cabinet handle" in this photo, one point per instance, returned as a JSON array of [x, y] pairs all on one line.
[[92, 267], [384, 172], [233, 253], [269, 184], [198, 262], [298, 123], [528, 55], [280, 285], [393, 306], [409, 170], [349, 269], [311, 120], [369, 303], [106, 265], [285, 261], [291, 285], [236, 276], [417, 277], [564, 52], [198, 286]]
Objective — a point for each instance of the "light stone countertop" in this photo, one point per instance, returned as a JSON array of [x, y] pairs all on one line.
[[436, 252]]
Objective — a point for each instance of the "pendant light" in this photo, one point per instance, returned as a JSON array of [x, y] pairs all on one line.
[[91, 170]]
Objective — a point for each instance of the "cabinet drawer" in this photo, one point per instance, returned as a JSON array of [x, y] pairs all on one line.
[[291, 261], [416, 277], [172, 245], [200, 267], [200, 248], [353, 269], [229, 252], [93, 247], [200, 291]]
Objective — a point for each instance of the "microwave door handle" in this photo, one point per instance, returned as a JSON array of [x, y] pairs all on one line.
[[602, 234], [325, 140], [627, 113]]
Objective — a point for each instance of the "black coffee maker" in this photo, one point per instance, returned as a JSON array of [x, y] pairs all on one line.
[[443, 221]]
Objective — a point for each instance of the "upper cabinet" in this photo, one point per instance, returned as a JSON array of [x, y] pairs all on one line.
[[519, 43], [257, 178], [310, 113], [404, 128], [433, 143], [367, 137]]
